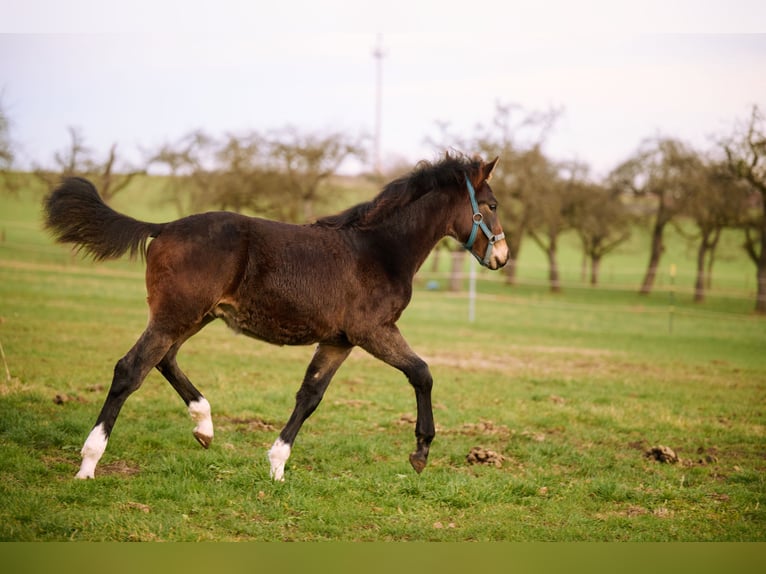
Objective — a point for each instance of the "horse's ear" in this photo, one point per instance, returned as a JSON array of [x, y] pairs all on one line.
[[488, 168]]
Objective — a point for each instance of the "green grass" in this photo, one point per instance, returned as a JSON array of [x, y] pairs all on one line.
[[571, 390]]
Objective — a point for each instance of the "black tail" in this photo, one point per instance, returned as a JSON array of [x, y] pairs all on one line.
[[75, 213]]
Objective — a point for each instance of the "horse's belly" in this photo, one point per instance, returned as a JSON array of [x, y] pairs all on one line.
[[286, 327]]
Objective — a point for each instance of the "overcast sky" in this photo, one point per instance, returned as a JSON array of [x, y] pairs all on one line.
[[148, 74]]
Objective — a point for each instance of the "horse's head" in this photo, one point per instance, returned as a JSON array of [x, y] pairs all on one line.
[[483, 234]]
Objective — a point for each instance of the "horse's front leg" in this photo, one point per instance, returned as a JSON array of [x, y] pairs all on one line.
[[390, 347], [327, 359], [420, 378]]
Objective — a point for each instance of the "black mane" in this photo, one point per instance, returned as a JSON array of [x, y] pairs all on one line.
[[425, 178]]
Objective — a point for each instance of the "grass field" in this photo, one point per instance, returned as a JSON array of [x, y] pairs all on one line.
[[569, 392]]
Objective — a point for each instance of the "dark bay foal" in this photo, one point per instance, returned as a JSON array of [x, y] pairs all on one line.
[[340, 282]]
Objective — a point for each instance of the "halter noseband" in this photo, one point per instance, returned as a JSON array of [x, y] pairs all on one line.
[[478, 222]]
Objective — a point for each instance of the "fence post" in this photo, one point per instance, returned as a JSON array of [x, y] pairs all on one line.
[[672, 297], [472, 294]]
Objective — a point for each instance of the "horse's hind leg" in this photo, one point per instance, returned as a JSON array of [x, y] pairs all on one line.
[[327, 359], [129, 373], [199, 407]]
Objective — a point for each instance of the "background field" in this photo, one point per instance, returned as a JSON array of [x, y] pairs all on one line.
[[570, 390]]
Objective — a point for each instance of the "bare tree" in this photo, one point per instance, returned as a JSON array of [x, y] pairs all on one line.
[[308, 160], [244, 179], [280, 175], [188, 162], [602, 223], [6, 149], [112, 180], [716, 200], [7, 155], [660, 173], [549, 210], [745, 153], [78, 159]]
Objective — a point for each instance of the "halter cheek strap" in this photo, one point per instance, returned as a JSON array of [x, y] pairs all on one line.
[[478, 223]]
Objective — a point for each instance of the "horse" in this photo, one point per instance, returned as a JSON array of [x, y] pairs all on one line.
[[340, 282]]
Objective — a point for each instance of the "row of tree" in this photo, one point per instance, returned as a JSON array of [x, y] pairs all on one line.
[[283, 174]]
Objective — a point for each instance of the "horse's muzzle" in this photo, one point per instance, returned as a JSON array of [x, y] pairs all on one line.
[[499, 256]]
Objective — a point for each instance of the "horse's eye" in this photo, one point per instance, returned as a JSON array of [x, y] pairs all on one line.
[[493, 207]]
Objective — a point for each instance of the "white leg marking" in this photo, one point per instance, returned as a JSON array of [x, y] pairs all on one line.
[[278, 455], [91, 452], [200, 413]]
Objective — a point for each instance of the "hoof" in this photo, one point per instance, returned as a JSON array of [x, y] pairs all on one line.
[[418, 462], [203, 439], [83, 476]]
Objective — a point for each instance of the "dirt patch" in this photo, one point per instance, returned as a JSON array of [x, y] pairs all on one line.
[[146, 509], [534, 436], [251, 424], [353, 403], [521, 358], [707, 455], [439, 525], [662, 453], [634, 511], [406, 419], [118, 468], [481, 455], [718, 497], [61, 399], [641, 445], [72, 462], [665, 454], [484, 428]]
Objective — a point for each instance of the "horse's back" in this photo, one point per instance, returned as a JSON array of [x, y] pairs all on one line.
[[283, 283]]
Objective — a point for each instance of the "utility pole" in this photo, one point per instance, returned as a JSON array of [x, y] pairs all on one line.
[[378, 53]]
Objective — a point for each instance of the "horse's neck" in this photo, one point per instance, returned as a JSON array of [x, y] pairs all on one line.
[[416, 230]]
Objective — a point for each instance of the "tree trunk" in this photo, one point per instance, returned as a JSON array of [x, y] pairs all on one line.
[[654, 259], [510, 268], [699, 285], [760, 276], [760, 298], [756, 249], [709, 267], [595, 265], [456, 274], [510, 272], [435, 256], [553, 268]]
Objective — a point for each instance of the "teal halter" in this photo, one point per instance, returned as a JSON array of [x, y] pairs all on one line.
[[478, 222]]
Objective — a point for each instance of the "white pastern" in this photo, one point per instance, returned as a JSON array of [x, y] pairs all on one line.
[[278, 455], [91, 452], [200, 412]]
